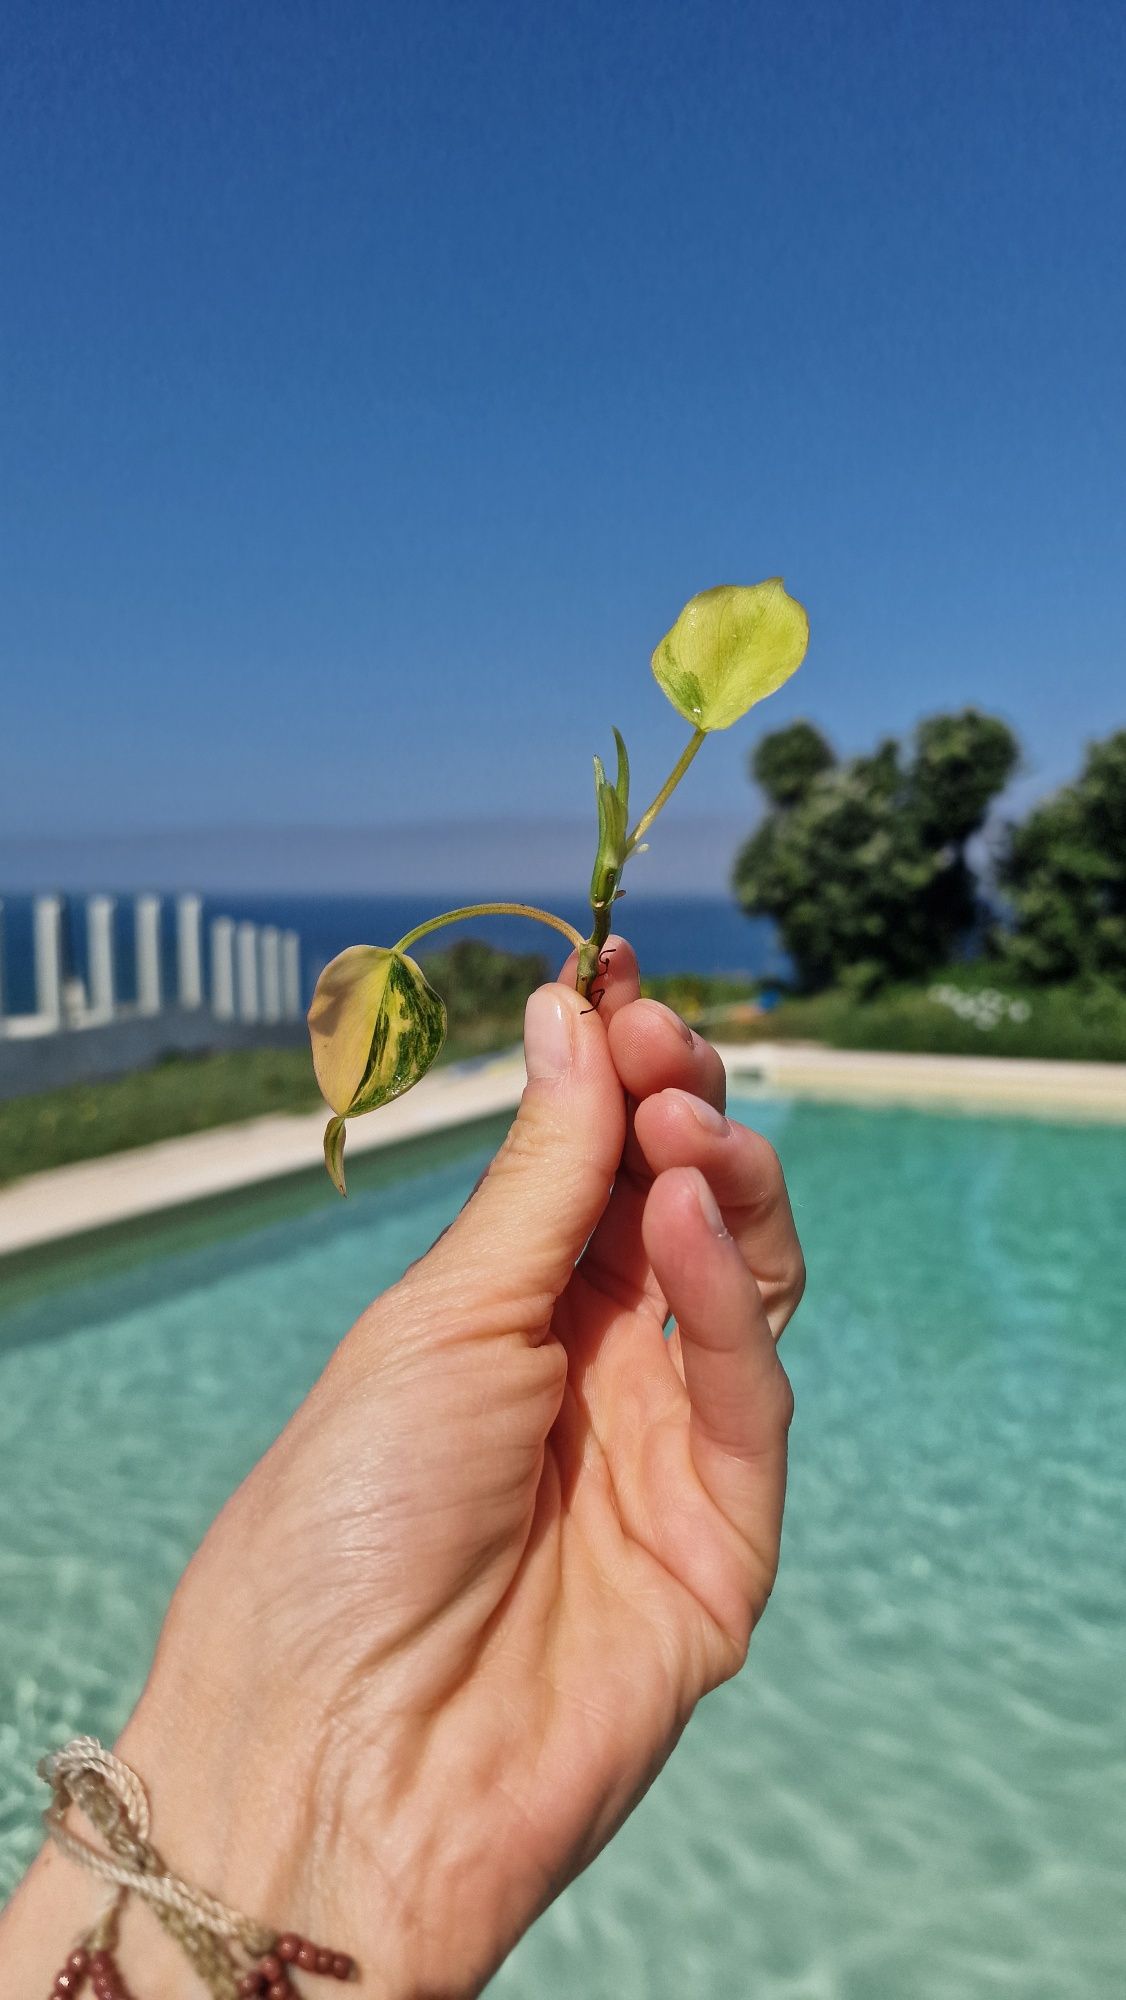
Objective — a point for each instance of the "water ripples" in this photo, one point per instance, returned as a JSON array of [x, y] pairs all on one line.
[[914, 1791]]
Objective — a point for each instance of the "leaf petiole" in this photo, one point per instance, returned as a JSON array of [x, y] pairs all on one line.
[[666, 791], [491, 910]]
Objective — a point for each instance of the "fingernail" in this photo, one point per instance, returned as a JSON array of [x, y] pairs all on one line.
[[670, 1014], [547, 1035], [707, 1203], [706, 1115]]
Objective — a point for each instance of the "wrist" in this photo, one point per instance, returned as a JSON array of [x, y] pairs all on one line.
[[235, 1812], [250, 1803]]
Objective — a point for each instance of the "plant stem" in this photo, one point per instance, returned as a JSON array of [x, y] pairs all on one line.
[[591, 948], [491, 910], [666, 791]]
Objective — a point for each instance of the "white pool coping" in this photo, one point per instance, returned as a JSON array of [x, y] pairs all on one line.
[[91, 1194], [1078, 1090]]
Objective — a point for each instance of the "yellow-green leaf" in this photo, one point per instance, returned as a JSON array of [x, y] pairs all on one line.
[[375, 1027], [729, 648]]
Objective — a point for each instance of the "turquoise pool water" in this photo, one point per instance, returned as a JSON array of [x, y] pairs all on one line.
[[915, 1791]]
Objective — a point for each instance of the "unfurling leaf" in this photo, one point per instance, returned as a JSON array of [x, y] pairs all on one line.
[[375, 1026], [613, 821], [621, 782], [728, 649]]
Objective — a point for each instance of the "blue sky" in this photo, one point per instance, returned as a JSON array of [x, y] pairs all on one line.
[[378, 381]]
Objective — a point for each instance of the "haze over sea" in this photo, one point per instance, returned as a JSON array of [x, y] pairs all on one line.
[[670, 933]]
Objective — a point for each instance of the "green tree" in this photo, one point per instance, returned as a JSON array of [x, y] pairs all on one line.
[[960, 764], [862, 863], [1064, 872], [784, 764]]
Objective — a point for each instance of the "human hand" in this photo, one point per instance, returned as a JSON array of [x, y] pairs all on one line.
[[445, 1634]]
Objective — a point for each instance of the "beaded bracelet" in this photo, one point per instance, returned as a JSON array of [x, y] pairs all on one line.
[[237, 1958], [268, 1980]]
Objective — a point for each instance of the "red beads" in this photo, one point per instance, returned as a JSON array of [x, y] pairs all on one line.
[[71, 1976], [99, 1967], [269, 1979], [108, 1983]]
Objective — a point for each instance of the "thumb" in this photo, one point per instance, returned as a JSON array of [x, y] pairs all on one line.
[[516, 1242]]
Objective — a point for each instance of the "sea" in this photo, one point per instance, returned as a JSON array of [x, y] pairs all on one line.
[[707, 934]]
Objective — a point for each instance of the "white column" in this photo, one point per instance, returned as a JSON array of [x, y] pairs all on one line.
[[99, 953], [223, 969], [270, 970], [247, 972], [49, 959], [147, 935], [189, 950], [291, 976]]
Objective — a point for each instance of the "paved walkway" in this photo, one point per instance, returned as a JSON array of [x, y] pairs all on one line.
[[93, 1193], [978, 1083]]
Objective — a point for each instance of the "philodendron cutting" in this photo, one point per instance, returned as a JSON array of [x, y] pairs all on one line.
[[376, 1025]]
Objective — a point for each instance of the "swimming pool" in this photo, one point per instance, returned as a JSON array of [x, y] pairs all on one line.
[[914, 1791]]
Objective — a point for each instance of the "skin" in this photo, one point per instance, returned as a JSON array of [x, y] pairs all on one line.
[[446, 1633]]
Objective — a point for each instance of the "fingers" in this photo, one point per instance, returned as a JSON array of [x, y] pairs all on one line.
[[652, 1049], [618, 977], [512, 1249], [676, 1129], [741, 1402]]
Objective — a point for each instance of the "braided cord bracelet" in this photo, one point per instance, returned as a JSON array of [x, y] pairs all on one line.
[[237, 1958]]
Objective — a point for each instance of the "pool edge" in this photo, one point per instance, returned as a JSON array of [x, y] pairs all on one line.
[[91, 1195]]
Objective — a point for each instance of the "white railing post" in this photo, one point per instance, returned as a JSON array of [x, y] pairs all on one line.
[[291, 976], [147, 934], [247, 972], [48, 922], [189, 950], [99, 953], [271, 973], [223, 969]]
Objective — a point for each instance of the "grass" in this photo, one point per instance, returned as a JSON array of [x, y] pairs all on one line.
[[184, 1094], [1073, 1023]]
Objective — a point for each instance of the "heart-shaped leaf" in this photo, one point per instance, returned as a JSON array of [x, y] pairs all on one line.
[[729, 648], [375, 1026]]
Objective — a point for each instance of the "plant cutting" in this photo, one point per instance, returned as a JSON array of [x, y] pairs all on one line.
[[376, 1024]]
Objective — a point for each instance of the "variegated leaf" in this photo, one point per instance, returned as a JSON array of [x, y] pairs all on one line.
[[375, 1026]]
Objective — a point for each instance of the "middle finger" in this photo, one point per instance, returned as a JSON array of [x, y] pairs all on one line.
[[653, 1050]]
